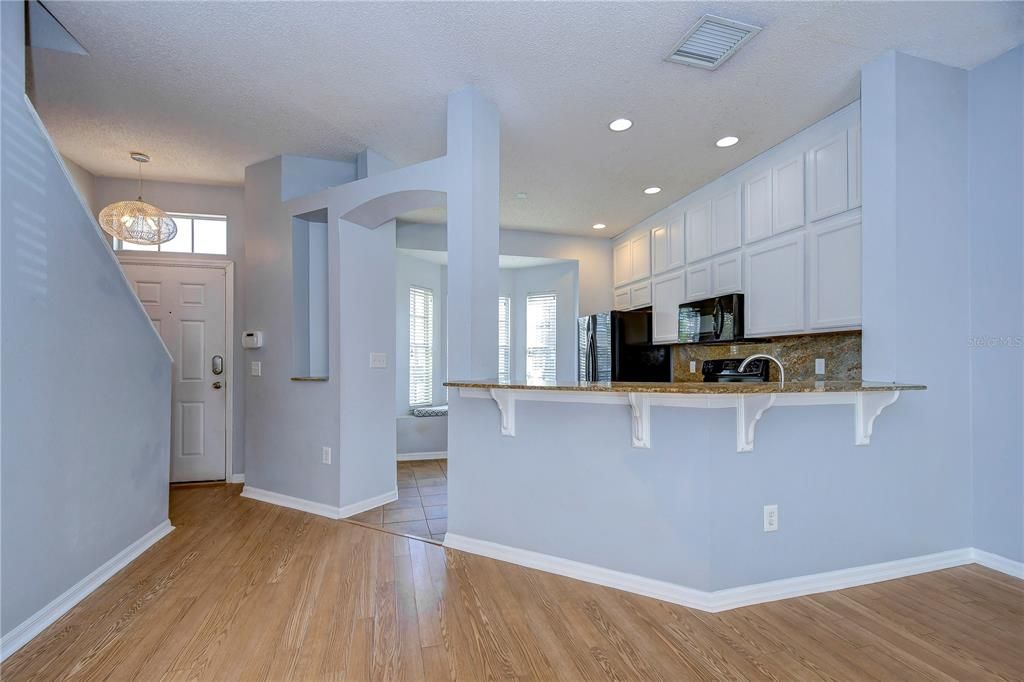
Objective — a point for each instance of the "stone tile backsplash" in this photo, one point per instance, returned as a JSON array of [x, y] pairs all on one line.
[[841, 351]]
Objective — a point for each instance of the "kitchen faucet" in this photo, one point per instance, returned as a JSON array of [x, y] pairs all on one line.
[[782, 371]]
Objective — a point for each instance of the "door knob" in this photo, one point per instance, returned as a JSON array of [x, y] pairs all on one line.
[[217, 384]]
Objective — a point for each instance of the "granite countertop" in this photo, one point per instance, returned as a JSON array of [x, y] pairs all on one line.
[[690, 386]]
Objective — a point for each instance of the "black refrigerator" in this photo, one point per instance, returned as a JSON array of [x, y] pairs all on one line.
[[616, 346]]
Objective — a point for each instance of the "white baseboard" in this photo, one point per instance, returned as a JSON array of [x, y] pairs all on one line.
[[999, 563], [41, 619], [787, 588], [649, 587], [723, 600], [236, 478], [298, 503], [318, 508], [417, 456], [367, 504]]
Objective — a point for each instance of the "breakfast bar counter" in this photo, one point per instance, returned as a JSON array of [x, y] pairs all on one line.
[[750, 400], [689, 387]]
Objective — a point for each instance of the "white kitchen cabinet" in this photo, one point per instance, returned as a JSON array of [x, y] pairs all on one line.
[[667, 246], [640, 255], [698, 232], [774, 273], [827, 172], [834, 273], [757, 195], [853, 159], [668, 292], [725, 222], [621, 299], [640, 295], [622, 267], [788, 195], [727, 275], [698, 282]]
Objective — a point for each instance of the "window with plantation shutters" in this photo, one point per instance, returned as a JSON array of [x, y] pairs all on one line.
[[540, 336], [504, 338], [421, 346]]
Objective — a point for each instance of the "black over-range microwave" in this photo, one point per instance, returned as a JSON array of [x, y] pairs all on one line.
[[711, 320]]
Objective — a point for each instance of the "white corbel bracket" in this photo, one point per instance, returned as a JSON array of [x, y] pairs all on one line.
[[867, 406], [749, 409], [506, 401], [640, 405]]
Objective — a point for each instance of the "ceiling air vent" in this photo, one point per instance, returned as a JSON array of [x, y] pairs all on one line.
[[711, 42]]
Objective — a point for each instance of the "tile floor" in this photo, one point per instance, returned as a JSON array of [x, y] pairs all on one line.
[[422, 505]]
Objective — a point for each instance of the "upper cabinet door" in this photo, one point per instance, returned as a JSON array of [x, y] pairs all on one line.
[[775, 286], [698, 282], [757, 194], [853, 154], [622, 265], [828, 172], [640, 255], [667, 295], [725, 222], [621, 299], [659, 248], [788, 195], [726, 275], [698, 232], [834, 275], [667, 246]]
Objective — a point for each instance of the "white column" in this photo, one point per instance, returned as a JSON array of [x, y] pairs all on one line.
[[472, 168]]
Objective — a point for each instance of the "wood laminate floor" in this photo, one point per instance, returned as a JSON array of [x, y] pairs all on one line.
[[246, 590]]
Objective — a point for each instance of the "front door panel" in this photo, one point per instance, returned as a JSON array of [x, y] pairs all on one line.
[[186, 305]]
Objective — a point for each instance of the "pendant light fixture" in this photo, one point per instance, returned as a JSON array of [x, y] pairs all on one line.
[[136, 221]]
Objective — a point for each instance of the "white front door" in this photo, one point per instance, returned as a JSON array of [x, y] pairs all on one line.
[[186, 305]]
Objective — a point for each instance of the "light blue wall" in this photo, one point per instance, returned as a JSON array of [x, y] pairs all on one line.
[[286, 422], [995, 115], [86, 410], [689, 509], [366, 324]]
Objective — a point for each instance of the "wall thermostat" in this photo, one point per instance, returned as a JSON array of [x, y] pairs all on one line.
[[252, 339]]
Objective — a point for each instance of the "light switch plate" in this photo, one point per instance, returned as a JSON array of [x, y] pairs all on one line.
[[819, 365], [256, 368], [378, 360]]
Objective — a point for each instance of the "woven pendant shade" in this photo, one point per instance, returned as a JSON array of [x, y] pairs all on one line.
[[137, 222]]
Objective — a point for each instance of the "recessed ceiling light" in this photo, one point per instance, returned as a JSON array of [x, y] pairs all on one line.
[[620, 124], [727, 141], [652, 190], [599, 226]]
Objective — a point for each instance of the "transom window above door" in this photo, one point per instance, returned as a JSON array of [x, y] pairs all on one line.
[[197, 233]]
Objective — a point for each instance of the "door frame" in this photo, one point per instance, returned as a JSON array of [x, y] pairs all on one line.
[[228, 266]]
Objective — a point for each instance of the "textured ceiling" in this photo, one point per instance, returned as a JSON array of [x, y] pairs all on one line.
[[208, 88]]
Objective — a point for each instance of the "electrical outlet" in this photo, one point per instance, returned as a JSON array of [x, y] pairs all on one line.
[[819, 366], [256, 368], [771, 518], [325, 455], [693, 366], [734, 349], [378, 360]]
